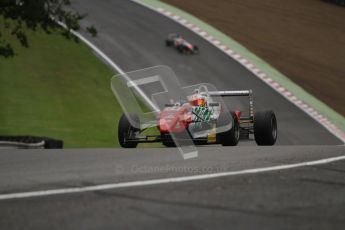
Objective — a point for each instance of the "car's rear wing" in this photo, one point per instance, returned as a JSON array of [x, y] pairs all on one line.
[[237, 93]]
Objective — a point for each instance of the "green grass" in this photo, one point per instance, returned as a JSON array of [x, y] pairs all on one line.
[[57, 88]]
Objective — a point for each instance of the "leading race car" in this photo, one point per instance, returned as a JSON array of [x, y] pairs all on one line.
[[183, 46], [205, 120]]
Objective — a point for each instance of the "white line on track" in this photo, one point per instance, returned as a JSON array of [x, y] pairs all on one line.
[[164, 180], [111, 63], [95, 48]]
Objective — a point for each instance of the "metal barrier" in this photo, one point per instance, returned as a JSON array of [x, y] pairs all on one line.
[[30, 142]]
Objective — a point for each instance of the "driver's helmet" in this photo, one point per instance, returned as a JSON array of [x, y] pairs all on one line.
[[197, 99]]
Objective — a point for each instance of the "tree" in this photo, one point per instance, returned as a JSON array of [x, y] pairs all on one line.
[[37, 13]]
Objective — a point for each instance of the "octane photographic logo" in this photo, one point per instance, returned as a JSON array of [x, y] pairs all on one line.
[[158, 109]]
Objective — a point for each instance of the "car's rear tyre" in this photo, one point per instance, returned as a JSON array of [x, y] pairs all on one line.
[[265, 128], [231, 136], [126, 130], [196, 49], [180, 49], [168, 43]]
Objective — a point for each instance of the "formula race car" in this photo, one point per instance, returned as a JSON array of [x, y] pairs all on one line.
[[177, 41], [205, 120]]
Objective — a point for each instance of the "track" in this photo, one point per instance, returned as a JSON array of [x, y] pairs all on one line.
[[304, 197], [133, 36]]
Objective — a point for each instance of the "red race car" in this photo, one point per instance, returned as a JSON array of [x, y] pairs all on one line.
[[183, 46], [202, 120]]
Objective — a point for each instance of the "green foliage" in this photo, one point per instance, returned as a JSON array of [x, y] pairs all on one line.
[[33, 14], [56, 88]]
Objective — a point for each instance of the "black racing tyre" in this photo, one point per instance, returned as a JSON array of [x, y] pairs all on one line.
[[126, 130], [265, 128], [231, 136], [168, 42], [196, 49], [180, 49]]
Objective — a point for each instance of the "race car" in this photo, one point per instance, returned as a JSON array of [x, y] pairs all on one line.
[[205, 121], [183, 46]]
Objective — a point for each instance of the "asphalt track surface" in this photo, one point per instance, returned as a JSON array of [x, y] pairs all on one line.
[[134, 38], [309, 197]]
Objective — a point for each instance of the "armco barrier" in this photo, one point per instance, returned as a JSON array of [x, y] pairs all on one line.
[[30, 142]]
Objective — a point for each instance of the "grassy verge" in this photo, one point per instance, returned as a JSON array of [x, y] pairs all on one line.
[[57, 88]]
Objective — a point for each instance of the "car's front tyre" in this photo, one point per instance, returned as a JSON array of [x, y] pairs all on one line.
[[232, 135], [126, 131], [196, 49]]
